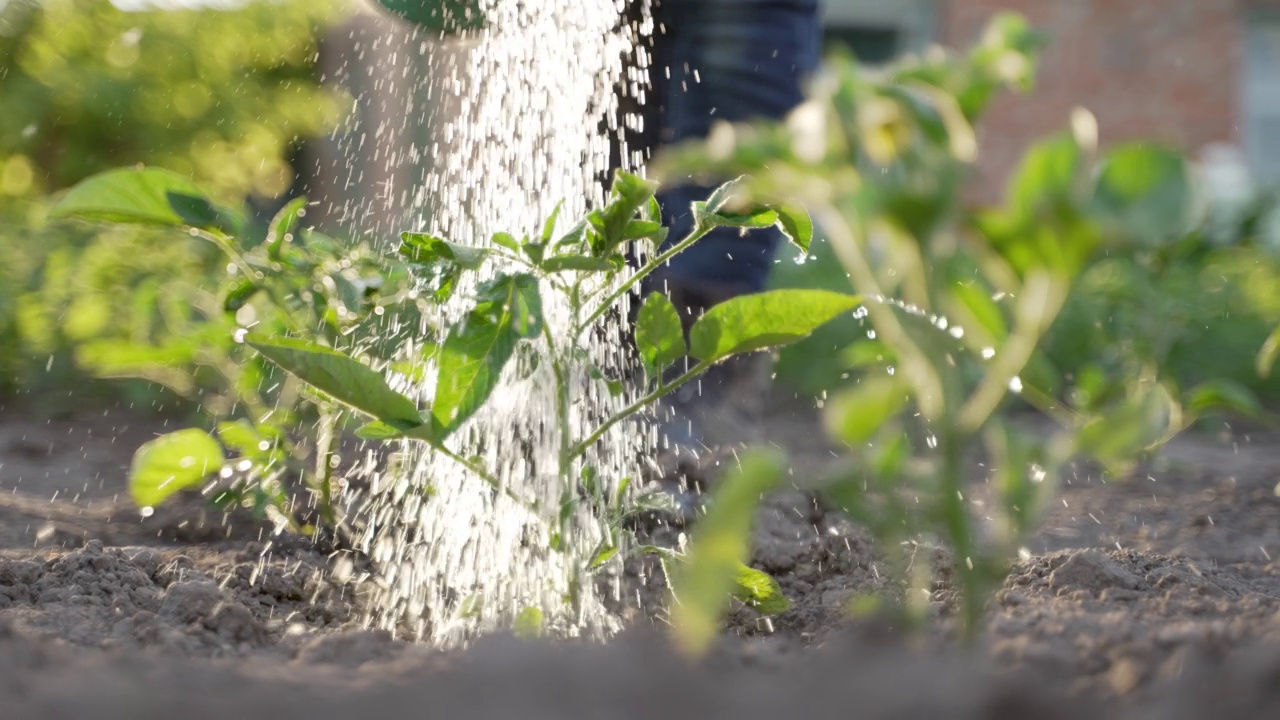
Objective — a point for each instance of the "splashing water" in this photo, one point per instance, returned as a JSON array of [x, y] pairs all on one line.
[[520, 129]]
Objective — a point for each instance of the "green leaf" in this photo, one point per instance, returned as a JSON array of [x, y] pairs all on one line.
[[549, 227], [1267, 355], [857, 413], [723, 196], [132, 196], [199, 212], [762, 320], [1136, 424], [582, 263], [1222, 394], [243, 437], [1146, 191], [240, 294], [659, 333], [283, 224], [975, 302], [535, 252], [757, 217], [474, 354], [172, 463], [603, 556], [506, 240], [643, 230], [439, 262], [721, 543], [1047, 177], [379, 431], [342, 378], [796, 225], [424, 249], [630, 195], [759, 590], [529, 623]]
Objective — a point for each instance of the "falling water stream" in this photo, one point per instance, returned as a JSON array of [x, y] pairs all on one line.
[[518, 130]]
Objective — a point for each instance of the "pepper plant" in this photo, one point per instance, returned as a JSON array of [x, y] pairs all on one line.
[[269, 430]]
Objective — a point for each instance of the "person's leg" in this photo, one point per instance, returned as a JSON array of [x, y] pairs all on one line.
[[733, 60]]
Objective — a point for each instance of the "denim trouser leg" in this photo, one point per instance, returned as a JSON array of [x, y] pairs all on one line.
[[732, 60]]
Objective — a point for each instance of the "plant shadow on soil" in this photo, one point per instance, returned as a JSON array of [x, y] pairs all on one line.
[[1156, 597]]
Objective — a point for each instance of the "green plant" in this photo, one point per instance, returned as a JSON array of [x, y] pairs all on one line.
[[959, 303], [292, 280], [585, 267]]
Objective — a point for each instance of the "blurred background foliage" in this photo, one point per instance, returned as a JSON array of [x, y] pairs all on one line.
[[224, 95], [1198, 304]]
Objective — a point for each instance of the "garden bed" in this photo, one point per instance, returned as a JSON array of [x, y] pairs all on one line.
[[1156, 597]]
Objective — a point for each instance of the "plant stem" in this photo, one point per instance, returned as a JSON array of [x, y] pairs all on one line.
[[642, 273], [562, 406], [483, 474], [637, 406], [956, 519], [916, 366]]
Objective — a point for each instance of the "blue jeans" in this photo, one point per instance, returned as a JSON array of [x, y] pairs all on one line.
[[733, 60]]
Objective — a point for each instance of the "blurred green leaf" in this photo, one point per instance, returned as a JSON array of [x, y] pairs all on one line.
[[1222, 394], [131, 196], [529, 623], [1137, 423], [283, 225], [172, 463], [712, 571], [241, 436], [762, 320], [856, 413], [1146, 191]]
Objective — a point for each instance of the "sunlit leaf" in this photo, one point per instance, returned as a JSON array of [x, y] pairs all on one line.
[[529, 623], [172, 463], [759, 590], [1266, 359], [762, 320], [283, 225], [129, 196], [659, 333], [439, 262], [796, 225], [342, 378], [721, 543], [476, 351], [855, 414], [506, 240]]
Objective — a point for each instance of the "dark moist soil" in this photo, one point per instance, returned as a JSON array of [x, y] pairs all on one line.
[[1156, 597]]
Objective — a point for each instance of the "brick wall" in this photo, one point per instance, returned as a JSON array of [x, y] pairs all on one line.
[[1163, 69]]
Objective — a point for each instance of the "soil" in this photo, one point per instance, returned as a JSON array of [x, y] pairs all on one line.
[[1156, 597]]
